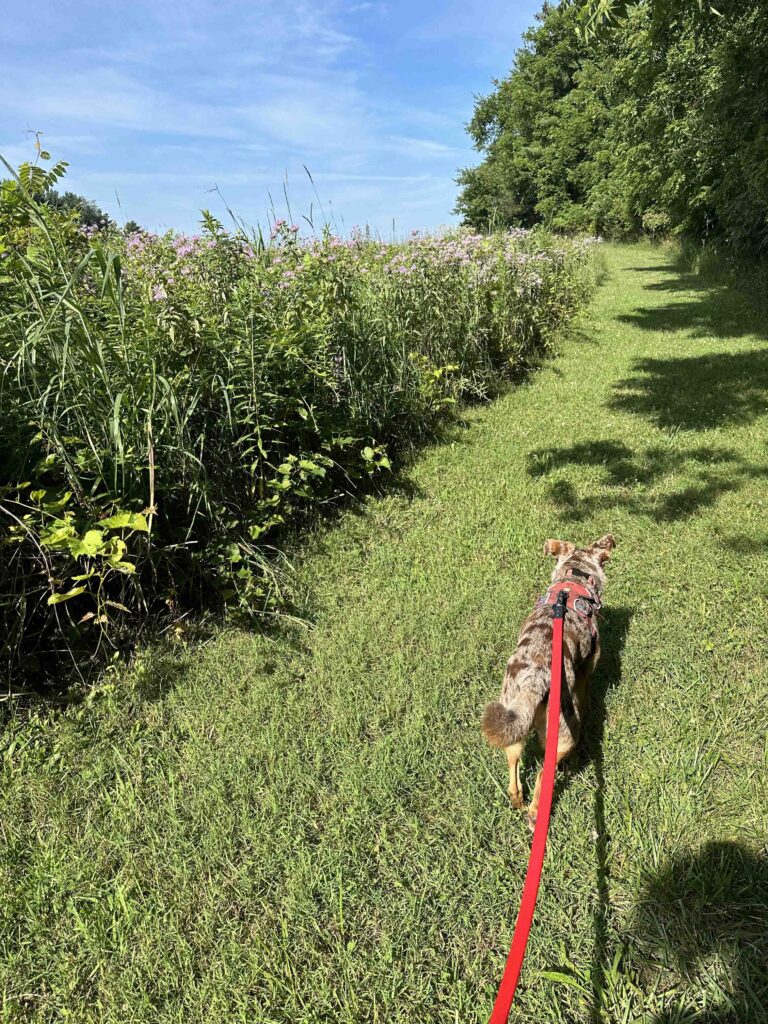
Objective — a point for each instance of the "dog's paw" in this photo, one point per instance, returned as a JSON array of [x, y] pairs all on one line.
[[516, 799], [531, 821]]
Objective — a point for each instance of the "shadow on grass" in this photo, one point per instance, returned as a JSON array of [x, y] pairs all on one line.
[[716, 389], [635, 479], [744, 545], [655, 269], [725, 300], [705, 905], [697, 392], [614, 627]]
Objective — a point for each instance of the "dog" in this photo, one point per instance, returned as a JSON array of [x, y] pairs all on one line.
[[522, 704]]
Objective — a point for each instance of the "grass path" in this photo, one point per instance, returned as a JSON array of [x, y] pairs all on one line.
[[309, 828]]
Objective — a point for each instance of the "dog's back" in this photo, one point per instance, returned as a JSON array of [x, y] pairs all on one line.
[[526, 683], [507, 721]]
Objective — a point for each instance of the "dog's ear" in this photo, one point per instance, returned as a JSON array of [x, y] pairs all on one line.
[[558, 548], [604, 547]]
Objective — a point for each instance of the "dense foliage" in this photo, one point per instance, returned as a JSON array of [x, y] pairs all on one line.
[[658, 124], [86, 211], [596, 16], [170, 403]]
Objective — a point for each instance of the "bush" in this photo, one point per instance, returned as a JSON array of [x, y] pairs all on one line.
[[170, 403], [656, 123]]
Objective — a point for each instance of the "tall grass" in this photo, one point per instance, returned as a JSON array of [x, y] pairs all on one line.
[[168, 404]]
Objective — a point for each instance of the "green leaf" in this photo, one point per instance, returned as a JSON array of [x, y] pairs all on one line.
[[562, 979], [126, 567], [59, 598], [123, 520], [60, 535], [58, 503], [91, 544]]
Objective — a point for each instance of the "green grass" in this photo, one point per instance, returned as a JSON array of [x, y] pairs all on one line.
[[308, 826]]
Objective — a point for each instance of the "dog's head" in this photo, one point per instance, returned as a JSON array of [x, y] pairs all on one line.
[[590, 560]]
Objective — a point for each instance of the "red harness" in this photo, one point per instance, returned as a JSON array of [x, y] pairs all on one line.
[[581, 599]]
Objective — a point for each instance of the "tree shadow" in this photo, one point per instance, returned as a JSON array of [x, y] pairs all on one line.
[[696, 392], [683, 283], [614, 627], [704, 907], [635, 478], [722, 304], [656, 268], [741, 544]]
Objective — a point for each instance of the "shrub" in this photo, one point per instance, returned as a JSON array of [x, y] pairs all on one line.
[[170, 403]]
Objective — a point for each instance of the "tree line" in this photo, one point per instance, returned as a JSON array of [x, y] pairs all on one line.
[[628, 118]]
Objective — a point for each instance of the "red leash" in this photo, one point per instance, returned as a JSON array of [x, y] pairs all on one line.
[[514, 963]]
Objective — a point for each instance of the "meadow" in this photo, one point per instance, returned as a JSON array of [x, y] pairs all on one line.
[[272, 508], [305, 825], [173, 406]]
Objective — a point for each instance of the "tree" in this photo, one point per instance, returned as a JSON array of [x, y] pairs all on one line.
[[87, 211], [596, 16], [655, 125], [540, 130]]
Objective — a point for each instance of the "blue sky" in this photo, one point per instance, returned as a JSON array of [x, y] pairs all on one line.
[[157, 102]]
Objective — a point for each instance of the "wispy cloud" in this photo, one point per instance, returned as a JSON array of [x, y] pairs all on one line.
[[159, 101]]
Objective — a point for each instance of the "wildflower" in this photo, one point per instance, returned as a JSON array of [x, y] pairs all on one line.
[[159, 293]]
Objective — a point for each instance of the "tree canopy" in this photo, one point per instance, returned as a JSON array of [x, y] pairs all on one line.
[[656, 123], [88, 213]]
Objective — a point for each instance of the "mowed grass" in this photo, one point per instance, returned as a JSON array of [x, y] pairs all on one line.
[[309, 827]]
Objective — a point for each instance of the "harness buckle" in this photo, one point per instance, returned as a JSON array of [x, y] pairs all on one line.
[[558, 608]]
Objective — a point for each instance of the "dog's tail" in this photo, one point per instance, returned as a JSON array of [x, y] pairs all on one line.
[[502, 725]]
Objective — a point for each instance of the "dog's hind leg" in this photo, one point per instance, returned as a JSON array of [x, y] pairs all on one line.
[[515, 786], [533, 810]]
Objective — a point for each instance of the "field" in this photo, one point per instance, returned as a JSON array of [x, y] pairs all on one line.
[[305, 825], [173, 406]]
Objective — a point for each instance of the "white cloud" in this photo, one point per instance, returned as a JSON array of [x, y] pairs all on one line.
[[161, 100]]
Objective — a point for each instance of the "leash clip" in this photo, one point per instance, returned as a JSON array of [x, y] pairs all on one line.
[[558, 608]]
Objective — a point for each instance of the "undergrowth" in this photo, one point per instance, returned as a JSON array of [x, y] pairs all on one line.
[[169, 404]]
